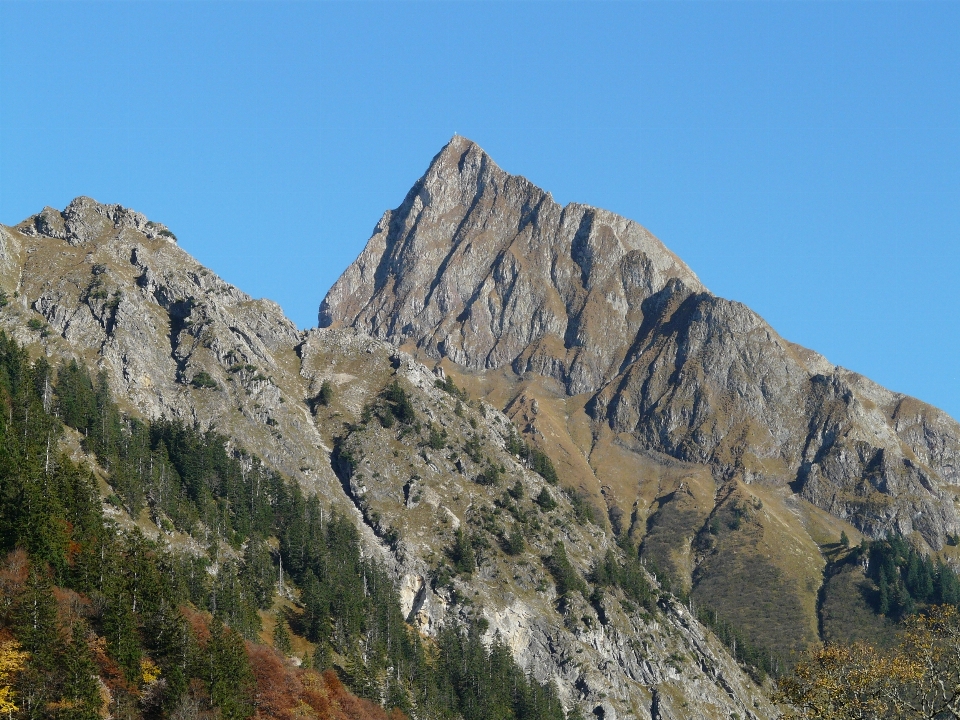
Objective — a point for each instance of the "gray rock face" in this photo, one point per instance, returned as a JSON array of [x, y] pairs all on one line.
[[117, 292], [85, 220], [485, 269], [604, 656]]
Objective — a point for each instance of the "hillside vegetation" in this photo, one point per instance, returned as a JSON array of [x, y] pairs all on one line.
[[100, 620]]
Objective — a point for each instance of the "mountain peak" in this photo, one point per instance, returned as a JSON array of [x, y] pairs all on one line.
[[486, 268], [85, 220]]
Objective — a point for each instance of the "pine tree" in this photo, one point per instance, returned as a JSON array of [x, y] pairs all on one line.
[[462, 554], [35, 621], [883, 595], [281, 636]]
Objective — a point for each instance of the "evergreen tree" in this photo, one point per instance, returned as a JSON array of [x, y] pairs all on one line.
[[462, 554], [883, 595], [81, 691], [564, 575], [281, 636], [230, 677]]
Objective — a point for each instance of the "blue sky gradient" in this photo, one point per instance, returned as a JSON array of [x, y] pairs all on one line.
[[803, 158]]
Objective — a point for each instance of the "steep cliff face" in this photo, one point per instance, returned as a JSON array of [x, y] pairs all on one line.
[[481, 267], [709, 381], [104, 285]]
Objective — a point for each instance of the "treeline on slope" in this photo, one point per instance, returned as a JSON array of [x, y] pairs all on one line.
[[907, 583], [165, 630], [906, 580]]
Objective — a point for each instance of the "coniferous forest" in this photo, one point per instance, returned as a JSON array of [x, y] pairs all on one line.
[[97, 619]]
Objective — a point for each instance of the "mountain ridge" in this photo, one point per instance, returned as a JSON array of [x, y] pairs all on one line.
[[173, 340], [504, 309], [734, 458]]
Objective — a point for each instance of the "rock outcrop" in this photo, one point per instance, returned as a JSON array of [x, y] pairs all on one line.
[[486, 269]]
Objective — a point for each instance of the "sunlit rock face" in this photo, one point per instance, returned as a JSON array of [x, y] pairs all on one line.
[[485, 268]]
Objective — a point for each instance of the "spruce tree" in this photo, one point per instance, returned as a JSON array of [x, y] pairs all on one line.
[[230, 678], [281, 636], [81, 689]]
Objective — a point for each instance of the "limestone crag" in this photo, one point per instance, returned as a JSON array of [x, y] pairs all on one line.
[[114, 290], [484, 269], [416, 495], [709, 381]]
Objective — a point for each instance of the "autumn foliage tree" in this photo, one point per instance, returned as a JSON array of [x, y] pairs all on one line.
[[917, 680], [12, 661]]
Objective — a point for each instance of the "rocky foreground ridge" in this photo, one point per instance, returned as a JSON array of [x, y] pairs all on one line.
[[104, 285]]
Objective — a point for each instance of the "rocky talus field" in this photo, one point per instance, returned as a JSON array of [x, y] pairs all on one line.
[[549, 385]]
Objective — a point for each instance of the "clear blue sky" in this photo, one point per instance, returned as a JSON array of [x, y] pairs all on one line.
[[803, 158]]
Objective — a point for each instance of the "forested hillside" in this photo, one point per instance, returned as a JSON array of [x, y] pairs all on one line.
[[96, 619]]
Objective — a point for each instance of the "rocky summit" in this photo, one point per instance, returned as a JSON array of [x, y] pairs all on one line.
[[483, 268], [486, 269]]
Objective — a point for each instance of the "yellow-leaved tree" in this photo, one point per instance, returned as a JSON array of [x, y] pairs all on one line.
[[12, 660], [917, 680]]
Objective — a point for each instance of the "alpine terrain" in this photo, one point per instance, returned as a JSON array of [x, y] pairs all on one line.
[[527, 466]]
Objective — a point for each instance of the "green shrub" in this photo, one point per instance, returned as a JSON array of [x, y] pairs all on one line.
[[386, 417], [629, 576], [514, 544], [325, 396], [545, 500], [583, 509], [203, 380], [438, 438], [449, 386], [400, 403], [566, 578], [462, 554], [491, 475], [543, 466], [473, 449]]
